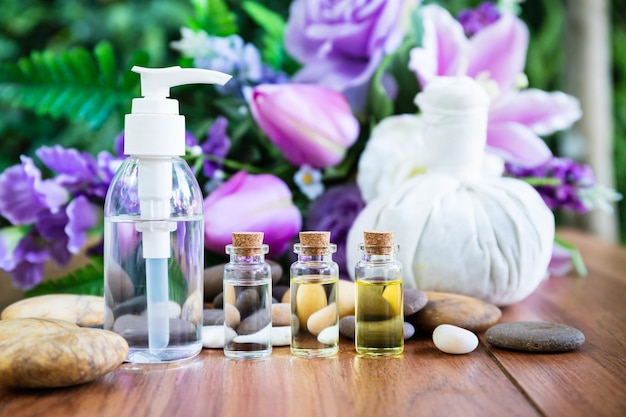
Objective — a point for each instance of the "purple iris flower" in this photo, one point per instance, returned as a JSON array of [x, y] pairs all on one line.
[[571, 177], [495, 57], [217, 144], [474, 20], [342, 43], [335, 211], [23, 193]]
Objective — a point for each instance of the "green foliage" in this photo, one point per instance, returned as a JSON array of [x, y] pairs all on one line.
[[88, 280], [74, 84], [272, 49], [214, 17]]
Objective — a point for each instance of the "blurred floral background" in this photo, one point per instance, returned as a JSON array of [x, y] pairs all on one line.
[[282, 140]]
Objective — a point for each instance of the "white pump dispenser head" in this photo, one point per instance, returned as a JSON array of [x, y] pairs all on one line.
[[155, 127]]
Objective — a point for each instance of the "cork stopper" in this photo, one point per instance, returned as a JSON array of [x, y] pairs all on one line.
[[314, 243], [248, 243], [378, 242]]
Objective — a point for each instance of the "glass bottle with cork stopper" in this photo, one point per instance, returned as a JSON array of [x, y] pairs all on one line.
[[379, 321], [247, 298], [314, 297]]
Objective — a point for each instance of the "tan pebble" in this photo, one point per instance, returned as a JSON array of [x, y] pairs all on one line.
[[286, 296], [459, 310], [322, 319], [232, 317], [15, 327], [59, 357], [84, 310], [281, 314], [192, 308], [346, 298], [230, 297], [309, 299]]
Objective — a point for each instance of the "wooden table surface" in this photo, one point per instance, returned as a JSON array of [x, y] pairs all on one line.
[[590, 381]]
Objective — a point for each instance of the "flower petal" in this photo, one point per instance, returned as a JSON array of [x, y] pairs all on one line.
[[542, 112], [517, 144], [445, 46], [499, 50]]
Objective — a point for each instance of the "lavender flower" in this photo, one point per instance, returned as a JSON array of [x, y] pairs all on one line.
[[474, 20], [217, 145], [559, 182], [227, 54], [335, 211]]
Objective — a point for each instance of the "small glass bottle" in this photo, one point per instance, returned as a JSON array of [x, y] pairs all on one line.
[[247, 298], [314, 297], [379, 321]]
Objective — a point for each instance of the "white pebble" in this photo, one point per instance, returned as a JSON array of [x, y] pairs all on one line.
[[173, 310], [261, 337], [329, 335], [213, 336], [281, 335], [453, 339]]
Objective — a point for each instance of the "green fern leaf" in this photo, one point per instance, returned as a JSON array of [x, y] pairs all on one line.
[[214, 17], [88, 280], [274, 27], [75, 84]]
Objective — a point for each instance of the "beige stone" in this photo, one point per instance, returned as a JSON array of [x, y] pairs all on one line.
[[322, 319], [192, 308], [40, 353], [84, 310], [347, 291], [232, 317], [459, 310], [281, 314], [309, 299]]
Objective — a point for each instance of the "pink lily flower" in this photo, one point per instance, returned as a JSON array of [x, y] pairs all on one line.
[[496, 56], [251, 203]]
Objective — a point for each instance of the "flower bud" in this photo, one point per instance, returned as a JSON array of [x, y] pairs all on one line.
[[310, 124]]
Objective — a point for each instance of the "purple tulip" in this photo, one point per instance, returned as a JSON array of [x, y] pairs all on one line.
[[310, 124], [495, 56], [251, 203], [342, 43]]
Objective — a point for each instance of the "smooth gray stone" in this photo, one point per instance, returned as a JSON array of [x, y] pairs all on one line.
[[212, 317], [218, 301], [134, 305], [414, 301], [254, 322], [346, 327], [135, 330], [278, 291], [248, 301], [535, 336]]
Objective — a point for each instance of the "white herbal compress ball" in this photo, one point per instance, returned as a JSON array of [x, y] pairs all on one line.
[[459, 230]]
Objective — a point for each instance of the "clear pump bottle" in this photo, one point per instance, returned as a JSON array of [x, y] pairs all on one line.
[[154, 228], [379, 321], [314, 297], [247, 298]]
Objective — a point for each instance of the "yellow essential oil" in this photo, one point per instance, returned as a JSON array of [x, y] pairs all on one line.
[[379, 327], [314, 297], [379, 321]]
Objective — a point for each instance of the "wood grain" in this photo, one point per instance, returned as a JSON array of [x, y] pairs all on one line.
[[423, 381]]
